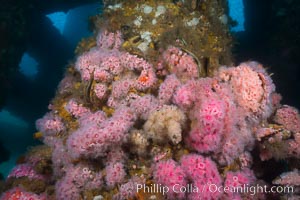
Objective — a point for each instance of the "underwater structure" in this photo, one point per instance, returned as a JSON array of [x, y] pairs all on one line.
[[153, 108]]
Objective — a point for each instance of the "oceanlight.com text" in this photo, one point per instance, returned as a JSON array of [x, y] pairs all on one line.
[[250, 189]]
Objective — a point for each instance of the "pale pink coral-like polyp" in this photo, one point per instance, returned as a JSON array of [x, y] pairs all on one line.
[[76, 109], [180, 63], [201, 171], [50, 124], [289, 117], [167, 89], [18, 193], [25, 170], [109, 40], [169, 173], [208, 131], [115, 173]]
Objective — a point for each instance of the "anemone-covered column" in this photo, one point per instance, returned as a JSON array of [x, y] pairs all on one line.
[[145, 112]]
